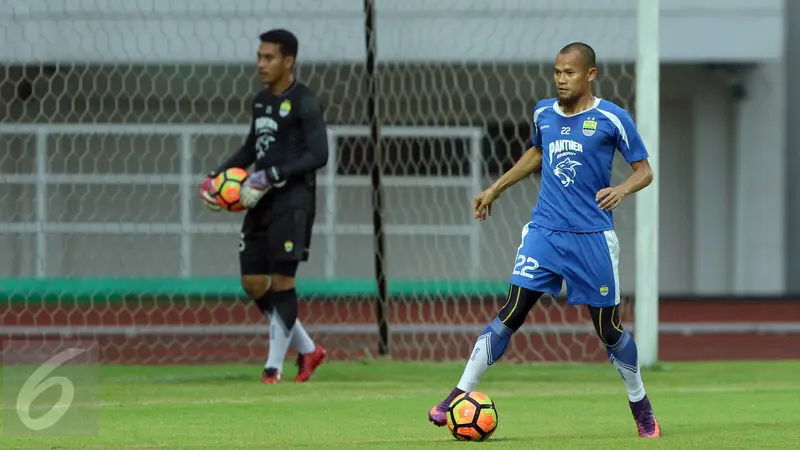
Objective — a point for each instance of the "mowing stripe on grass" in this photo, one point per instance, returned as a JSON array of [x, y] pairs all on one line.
[[356, 398]]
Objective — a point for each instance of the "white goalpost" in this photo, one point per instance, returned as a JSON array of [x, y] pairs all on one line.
[[647, 217]]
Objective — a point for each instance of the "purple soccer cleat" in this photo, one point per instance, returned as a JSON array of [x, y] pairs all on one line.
[[438, 414], [645, 419]]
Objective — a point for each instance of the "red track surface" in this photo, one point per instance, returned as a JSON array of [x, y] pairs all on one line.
[[530, 346]]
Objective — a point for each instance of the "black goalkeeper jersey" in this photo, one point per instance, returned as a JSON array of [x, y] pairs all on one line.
[[288, 132]]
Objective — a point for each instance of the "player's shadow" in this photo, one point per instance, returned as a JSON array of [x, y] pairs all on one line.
[[498, 440], [504, 439], [425, 442]]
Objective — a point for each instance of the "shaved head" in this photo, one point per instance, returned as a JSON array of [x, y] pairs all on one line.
[[574, 72], [586, 52]]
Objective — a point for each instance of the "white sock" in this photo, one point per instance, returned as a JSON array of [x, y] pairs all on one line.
[[625, 358], [476, 366], [279, 339], [633, 383], [488, 349], [301, 341]]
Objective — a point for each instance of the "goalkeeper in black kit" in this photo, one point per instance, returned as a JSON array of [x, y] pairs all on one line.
[[288, 143]]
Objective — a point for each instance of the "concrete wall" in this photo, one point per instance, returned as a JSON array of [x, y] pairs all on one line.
[[418, 30], [792, 65]]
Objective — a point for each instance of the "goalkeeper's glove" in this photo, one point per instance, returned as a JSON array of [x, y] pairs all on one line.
[[207, 194], [258, 184]]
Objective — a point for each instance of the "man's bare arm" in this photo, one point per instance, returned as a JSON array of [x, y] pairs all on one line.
[[530, 162], [641, 177], [610, 197]]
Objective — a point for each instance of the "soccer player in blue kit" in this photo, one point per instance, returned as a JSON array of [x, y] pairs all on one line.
[[570, 235]]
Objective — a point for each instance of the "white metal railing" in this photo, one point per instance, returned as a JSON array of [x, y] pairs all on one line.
[[187, 179]]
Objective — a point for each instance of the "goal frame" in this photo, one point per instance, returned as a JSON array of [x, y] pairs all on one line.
[[647, 208], [187, 179]]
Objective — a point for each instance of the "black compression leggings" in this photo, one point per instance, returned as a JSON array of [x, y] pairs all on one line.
[[520, 301]]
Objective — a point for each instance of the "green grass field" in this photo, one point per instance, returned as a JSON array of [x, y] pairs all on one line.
[[384, 405]]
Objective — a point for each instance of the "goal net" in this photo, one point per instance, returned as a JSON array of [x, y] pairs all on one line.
[[111, 112]]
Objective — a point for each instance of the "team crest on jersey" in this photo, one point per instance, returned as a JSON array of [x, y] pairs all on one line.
[[288, 246], [286, 108], [589, 127], [604, 290]]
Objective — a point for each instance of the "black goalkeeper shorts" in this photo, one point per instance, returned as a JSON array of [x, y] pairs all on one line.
[[276, 243]]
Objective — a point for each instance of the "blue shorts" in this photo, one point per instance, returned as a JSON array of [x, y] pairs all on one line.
[[588, 262]]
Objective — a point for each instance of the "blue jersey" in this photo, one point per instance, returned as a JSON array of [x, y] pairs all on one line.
[[577, 155]]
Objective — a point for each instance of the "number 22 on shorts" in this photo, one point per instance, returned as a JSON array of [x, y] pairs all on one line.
[[525, 266]]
